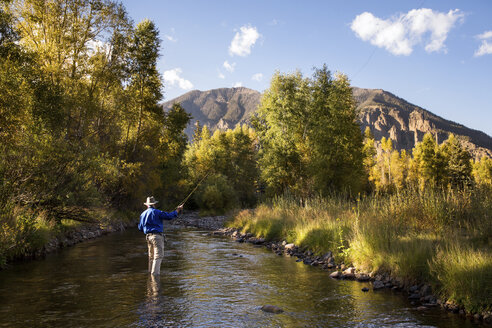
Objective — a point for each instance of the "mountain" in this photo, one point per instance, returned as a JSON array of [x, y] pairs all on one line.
[[390, 116], [386, 114], [218, 108]]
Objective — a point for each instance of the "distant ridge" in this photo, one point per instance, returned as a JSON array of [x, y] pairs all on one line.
[[386, 114], [218, 108]]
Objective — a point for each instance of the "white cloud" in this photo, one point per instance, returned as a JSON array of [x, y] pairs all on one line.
[[98, 46], [221, 76], [400, 34], [257, 77], [170, 38], [173, 77], [243, 41], [486, 46], [485, 35], [237, 85], [485, 49], [229, 67]]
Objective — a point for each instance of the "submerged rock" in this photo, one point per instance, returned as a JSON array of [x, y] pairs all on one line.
[[377, 285], [271, 309]]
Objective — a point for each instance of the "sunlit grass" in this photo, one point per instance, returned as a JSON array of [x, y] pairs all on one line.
[[465, 275], [431, 236]]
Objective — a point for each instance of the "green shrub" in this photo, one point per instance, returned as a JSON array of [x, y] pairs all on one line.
[[216, 195]]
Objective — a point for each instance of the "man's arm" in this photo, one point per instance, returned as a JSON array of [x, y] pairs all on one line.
[[171, 215]]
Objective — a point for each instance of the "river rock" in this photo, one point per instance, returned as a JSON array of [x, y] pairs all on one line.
[[348, 276], [336, 275], [487, 318], [289, 246], [414, 296], [362, 277], [451, 307], [350, 270], [425, 290], [365, 289], [430, 299], [377, 285], [271, 309], [327, 256]]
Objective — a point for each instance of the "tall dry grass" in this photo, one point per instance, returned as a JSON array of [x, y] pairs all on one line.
[[439, 236]]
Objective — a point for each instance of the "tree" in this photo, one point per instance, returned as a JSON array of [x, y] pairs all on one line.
[[309, 137], [63, 35], [172, 145], [145, 82], [228, 159], [281, 123], [427, 161], [482, 171], [459, 167]]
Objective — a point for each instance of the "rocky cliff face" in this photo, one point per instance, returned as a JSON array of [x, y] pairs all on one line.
[[390, 116], [386, 114]]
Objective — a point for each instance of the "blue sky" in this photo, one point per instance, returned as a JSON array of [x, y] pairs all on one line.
[[435, 54]]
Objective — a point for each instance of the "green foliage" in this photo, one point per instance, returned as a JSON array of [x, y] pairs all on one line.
[[216, 195], [227, 156], [309, 138], [80, 125], [446, 166], [482, 171]]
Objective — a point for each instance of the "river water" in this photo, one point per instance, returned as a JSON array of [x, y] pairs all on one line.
[[205, 282]]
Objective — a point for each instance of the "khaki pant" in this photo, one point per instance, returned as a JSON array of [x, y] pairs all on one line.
[[155, 242]]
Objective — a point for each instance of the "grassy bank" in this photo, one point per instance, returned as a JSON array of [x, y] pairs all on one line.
[[25, 233], [440, 237]]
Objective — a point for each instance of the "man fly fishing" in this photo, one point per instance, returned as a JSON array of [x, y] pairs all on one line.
[[151, 223]]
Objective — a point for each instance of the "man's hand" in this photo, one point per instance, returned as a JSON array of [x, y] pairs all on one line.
[[179, 209]]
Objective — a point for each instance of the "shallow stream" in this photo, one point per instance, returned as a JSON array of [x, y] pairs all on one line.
[[205, 282]]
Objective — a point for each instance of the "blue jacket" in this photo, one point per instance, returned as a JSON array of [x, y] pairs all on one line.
[[151, 220]]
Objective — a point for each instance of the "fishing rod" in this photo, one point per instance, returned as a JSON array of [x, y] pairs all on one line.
[[194, 189]]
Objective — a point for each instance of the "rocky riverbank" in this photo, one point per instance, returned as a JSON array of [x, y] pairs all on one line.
[[421, 295], [81, 234], [193, 219]]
